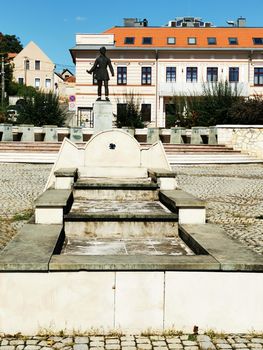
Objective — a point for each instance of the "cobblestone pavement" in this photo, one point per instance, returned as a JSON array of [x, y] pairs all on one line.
[[132, 342], [234, 196]]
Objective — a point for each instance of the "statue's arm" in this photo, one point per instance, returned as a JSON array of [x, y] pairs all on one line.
[[93, 68]]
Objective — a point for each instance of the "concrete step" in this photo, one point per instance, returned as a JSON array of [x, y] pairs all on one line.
[[109, 218]]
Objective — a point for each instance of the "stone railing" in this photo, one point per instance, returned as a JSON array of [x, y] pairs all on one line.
[[52, 133], [244, 138]]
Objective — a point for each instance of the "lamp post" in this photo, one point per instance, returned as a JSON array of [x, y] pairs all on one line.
[[3, 82]]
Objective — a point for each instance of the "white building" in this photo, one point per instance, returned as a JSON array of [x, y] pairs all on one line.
[[32, 67], [157, 63]]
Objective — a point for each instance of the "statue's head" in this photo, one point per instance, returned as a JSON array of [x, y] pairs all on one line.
[[103, 50]]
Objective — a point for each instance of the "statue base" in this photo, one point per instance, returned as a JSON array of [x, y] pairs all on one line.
[[102, 111]]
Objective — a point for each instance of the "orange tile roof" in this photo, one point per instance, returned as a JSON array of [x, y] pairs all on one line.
[[159, 36]]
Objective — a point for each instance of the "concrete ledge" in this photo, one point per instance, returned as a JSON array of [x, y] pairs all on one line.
[[91, 184], [116, 216], [166, 179], [178, 198], [231, 255], [54, 198], [161, 173], [32, 248], [133, 263], [66, 172]]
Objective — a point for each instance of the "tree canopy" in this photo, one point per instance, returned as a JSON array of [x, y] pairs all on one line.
[[9, 43]]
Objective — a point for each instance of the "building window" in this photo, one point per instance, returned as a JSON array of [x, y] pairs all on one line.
[[191, 74], [48, 83], [258, 76], [27, 65], [170, 74], [258, 41], [37, 83], [121, 75], [191, 41], [211, 41], [129, 40], [212, 74], [147, 40], [171, 40], [21, 81], [37, 65], [146, 75], [233, 74], [121, 109], [146, 112], [232, 41]]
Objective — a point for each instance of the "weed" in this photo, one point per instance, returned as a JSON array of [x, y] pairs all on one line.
[[26, 215]]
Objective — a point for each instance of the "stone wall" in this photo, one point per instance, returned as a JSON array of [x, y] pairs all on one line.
[[245, 138]]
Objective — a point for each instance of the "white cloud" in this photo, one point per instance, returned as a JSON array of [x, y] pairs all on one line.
[[80, 19]]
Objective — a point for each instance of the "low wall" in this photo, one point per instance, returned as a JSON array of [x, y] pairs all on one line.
[[244, 138], [131, 301]]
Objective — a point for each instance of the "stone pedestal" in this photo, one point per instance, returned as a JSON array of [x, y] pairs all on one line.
[[153, 135], [197, 132], [27, 131], [76, 134], [102, 116], [50, 132], [212, 136], [6, 132], [176, 135]]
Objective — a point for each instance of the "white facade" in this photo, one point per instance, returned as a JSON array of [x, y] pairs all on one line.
[[158, 93], [32, 67]]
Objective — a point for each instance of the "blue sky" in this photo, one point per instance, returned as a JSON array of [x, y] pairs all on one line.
[[52, 24]]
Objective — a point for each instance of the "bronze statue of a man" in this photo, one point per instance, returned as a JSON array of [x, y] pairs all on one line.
[[100, 72]]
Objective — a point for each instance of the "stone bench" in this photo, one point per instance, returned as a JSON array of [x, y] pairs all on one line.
[[65, 178], [166, 179], [51, 205], [191, 210]]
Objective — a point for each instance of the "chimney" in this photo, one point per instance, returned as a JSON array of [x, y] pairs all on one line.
[[241, 22]]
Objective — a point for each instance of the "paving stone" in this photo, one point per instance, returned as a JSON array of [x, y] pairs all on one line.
[[144, 346], [159, 343], [97, 344], [128, 343], [220, 341], [189, 343], [184, 337], [8, 347], [33, 341], [112, 346], [112, 341], [160, 347], [58, 345], [223, 346], [96, 338], [143, 341], [20, 347], [254, 345], [203, 338], [32, 347], [191, 347], [173, 340], [239, 346], [17, 342], [176, 346], [4, 342], [68, 340], [207, 345], [80, 347], [128, 348], [81, 340], [257, 340]]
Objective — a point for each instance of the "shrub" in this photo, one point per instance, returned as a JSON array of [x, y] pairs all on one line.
[[248, 111], [129, 113]]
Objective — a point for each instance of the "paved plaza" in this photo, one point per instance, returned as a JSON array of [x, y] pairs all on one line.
[[234, 196], [131, 342]]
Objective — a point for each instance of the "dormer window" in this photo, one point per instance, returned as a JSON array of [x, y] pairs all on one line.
[[191, 41], [258, 41], [232, 41], [211, 41], [129, 40], [171, 40], [147, 40]]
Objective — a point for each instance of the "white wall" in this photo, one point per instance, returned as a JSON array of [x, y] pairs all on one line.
[[131, 301]]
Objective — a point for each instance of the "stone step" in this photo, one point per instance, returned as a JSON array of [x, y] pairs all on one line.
[[108, 218], [120, 189]]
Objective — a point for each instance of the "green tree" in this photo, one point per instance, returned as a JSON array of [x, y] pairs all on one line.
[[129, 113], [41, 109], [247, 111], [10, 43]]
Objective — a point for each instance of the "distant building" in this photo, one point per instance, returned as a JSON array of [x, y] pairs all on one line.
[[157, 63], [32, 67], [64, 84]]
